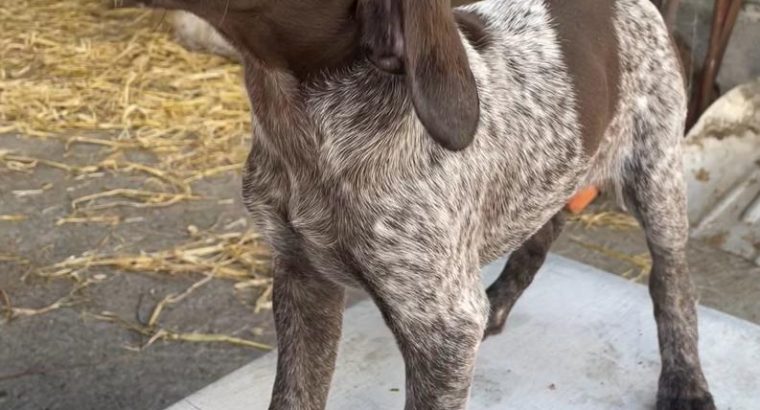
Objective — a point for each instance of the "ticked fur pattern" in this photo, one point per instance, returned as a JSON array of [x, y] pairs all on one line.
[[350, 191]]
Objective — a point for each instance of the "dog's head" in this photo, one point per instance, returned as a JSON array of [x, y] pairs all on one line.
[[415, 38]]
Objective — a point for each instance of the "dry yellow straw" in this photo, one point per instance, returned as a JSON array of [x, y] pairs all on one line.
[[13, 218], [239, 256], [69, 300], [155, 334], [71, 67], [608, 219], [83, 73], [643, 261], [175, 298]]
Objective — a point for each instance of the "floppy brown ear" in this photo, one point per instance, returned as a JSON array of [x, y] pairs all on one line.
[[420, 38]]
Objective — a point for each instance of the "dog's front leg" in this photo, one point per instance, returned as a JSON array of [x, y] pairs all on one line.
[[438, 316], [308, 313]]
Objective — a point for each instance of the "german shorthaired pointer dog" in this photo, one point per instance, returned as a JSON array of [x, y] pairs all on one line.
[[400, 145]]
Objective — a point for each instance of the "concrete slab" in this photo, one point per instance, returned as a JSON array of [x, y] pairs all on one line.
[[579, 339], [722, 169]]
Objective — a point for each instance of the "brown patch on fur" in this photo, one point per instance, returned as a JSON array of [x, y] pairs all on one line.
[[590, 50], [303, 38], [422, 38], [457, 3], [438, 73]]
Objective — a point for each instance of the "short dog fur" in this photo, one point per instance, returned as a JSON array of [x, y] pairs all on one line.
[[400, 145]]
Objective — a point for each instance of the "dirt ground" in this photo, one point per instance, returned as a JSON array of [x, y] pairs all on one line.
[[86, 339], [67, 359]]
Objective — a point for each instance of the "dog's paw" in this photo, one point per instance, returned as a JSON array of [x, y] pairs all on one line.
[[681, 403], [496, 320], [684, 391]]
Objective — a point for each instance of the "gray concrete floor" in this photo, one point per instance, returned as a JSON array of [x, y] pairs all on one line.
[[67, 360]]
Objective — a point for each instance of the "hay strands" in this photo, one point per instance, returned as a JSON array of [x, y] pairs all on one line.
[[136, 198], [234, 255], [16, 312], [155, 334], [26, 163], [175, 298], [13, 218], [609, 219], [71, 299], [119, 73], [96, 219], [4, 257], [642, 262]]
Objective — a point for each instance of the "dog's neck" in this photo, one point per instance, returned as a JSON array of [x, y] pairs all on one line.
[[296, 37]]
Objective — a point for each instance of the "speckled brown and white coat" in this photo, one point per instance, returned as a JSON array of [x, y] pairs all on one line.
[[393, 155]]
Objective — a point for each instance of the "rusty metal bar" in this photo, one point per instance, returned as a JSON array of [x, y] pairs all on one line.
[[725, 13], [728, 28]]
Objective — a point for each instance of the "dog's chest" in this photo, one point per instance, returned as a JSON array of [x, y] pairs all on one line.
[[296, 208]]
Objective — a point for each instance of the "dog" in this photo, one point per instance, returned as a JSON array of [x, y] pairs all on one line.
[[400, 145]]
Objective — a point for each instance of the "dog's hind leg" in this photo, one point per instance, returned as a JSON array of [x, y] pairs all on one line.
[[654, 190], [521, 268]]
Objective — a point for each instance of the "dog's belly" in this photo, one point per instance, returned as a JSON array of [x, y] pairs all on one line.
[[504, 230]]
